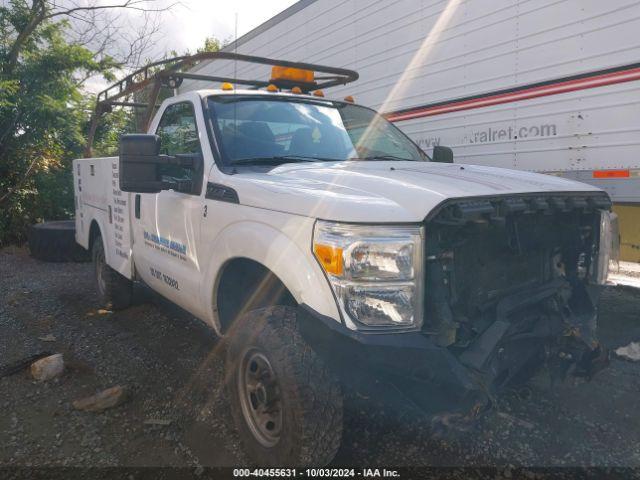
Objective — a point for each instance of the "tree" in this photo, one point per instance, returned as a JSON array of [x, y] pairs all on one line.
[[44, 61], [90, 24], [212, 44]]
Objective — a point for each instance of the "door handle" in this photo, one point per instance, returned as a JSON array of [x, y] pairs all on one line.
[[137, 205]]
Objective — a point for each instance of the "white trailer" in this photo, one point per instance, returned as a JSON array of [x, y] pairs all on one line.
[[549, 86]]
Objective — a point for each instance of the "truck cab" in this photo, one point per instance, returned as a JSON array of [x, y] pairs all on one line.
[[326, 247]]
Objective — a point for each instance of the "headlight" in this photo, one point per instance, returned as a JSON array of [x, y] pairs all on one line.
[[375, 272]]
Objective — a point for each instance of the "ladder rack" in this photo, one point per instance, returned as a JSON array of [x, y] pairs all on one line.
[[169, 73]]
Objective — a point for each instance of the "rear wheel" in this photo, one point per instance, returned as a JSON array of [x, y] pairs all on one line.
[[285, 402], [114, 290]]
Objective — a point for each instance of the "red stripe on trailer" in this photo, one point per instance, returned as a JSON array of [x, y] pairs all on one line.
[[611, 174], [522, 94]]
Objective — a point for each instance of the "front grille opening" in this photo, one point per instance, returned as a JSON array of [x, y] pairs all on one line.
[[481, 252]]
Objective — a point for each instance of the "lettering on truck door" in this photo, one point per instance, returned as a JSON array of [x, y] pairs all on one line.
[[168, 230]]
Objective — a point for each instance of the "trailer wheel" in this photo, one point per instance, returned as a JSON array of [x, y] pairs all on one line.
[[56, 242], [114, 290], [286, 404]]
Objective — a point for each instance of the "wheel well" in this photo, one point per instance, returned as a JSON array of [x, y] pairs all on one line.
[[246, 285], [94, 232]]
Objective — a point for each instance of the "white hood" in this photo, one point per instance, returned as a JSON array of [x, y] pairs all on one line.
[[385, 191]]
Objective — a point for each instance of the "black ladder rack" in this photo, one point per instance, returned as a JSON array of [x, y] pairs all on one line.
[[173, 74]]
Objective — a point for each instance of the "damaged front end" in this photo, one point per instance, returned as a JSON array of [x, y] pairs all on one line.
[[512, 284]]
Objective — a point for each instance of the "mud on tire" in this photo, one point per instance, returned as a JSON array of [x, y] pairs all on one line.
[[56, 242], [115, 291], [300, 392]]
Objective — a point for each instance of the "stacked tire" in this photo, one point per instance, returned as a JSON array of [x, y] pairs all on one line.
[[56, 242]]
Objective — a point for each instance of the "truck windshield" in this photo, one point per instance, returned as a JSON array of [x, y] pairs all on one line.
[[258, 129]]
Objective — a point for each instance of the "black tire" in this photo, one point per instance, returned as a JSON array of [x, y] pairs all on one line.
[[56, 242], [115, 291], [305, 392]]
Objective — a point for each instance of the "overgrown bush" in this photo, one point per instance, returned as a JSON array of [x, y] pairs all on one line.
[[43, 118], [44, 112]]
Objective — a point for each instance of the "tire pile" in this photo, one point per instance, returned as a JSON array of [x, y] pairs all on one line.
[[56, 242]]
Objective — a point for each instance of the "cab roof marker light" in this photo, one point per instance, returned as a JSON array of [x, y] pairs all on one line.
[[296, 90], [318, 93], [349, 99], [291, 74], [272, 88], [226, 86]]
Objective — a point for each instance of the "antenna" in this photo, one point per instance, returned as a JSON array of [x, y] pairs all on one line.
[[235, 48], [235, 76]]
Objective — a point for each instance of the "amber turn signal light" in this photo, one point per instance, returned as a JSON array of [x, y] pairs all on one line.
[[330, 258]]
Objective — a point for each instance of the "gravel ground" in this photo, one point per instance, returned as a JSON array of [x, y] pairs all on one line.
[[171, 365]]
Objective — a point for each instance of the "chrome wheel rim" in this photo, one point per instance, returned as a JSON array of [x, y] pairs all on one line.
[[260, 397]]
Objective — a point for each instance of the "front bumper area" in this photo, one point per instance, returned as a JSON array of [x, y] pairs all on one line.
[[432, 377], [429, 376]]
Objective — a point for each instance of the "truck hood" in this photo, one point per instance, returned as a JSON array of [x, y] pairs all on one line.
[[388, 191]]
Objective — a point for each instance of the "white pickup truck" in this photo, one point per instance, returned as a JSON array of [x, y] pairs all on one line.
[[325, 247]]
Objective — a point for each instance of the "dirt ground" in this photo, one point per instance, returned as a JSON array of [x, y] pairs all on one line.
[[171, 365]]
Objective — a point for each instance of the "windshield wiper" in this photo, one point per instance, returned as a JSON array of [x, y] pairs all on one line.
[[278, 159], [383, 157]]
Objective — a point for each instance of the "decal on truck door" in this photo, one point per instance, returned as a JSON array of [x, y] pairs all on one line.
[[166, 245], [172, 282]]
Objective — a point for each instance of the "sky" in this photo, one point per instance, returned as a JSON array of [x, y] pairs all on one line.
[[189, 22]]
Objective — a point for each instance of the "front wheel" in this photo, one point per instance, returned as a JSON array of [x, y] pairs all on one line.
[[285, 402], [114, 290]]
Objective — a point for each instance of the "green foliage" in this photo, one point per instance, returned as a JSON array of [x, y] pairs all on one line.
[[110, 128], [45, 114], [211, 44], [43, 117]]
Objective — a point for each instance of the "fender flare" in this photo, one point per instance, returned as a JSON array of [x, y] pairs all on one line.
[[296, 269], [102, 230]]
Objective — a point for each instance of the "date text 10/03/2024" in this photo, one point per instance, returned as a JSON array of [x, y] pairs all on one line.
[[316, 473]]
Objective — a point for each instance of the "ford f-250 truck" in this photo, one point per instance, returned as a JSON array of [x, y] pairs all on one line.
[[323, 245]]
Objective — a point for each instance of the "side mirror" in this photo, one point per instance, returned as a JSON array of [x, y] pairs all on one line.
[[442, 154], [139, 160]]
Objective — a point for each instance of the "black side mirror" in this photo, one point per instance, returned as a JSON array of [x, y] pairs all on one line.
[[139, 160], [442, 154]]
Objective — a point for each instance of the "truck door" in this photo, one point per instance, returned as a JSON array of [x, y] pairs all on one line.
[[167, 224]]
